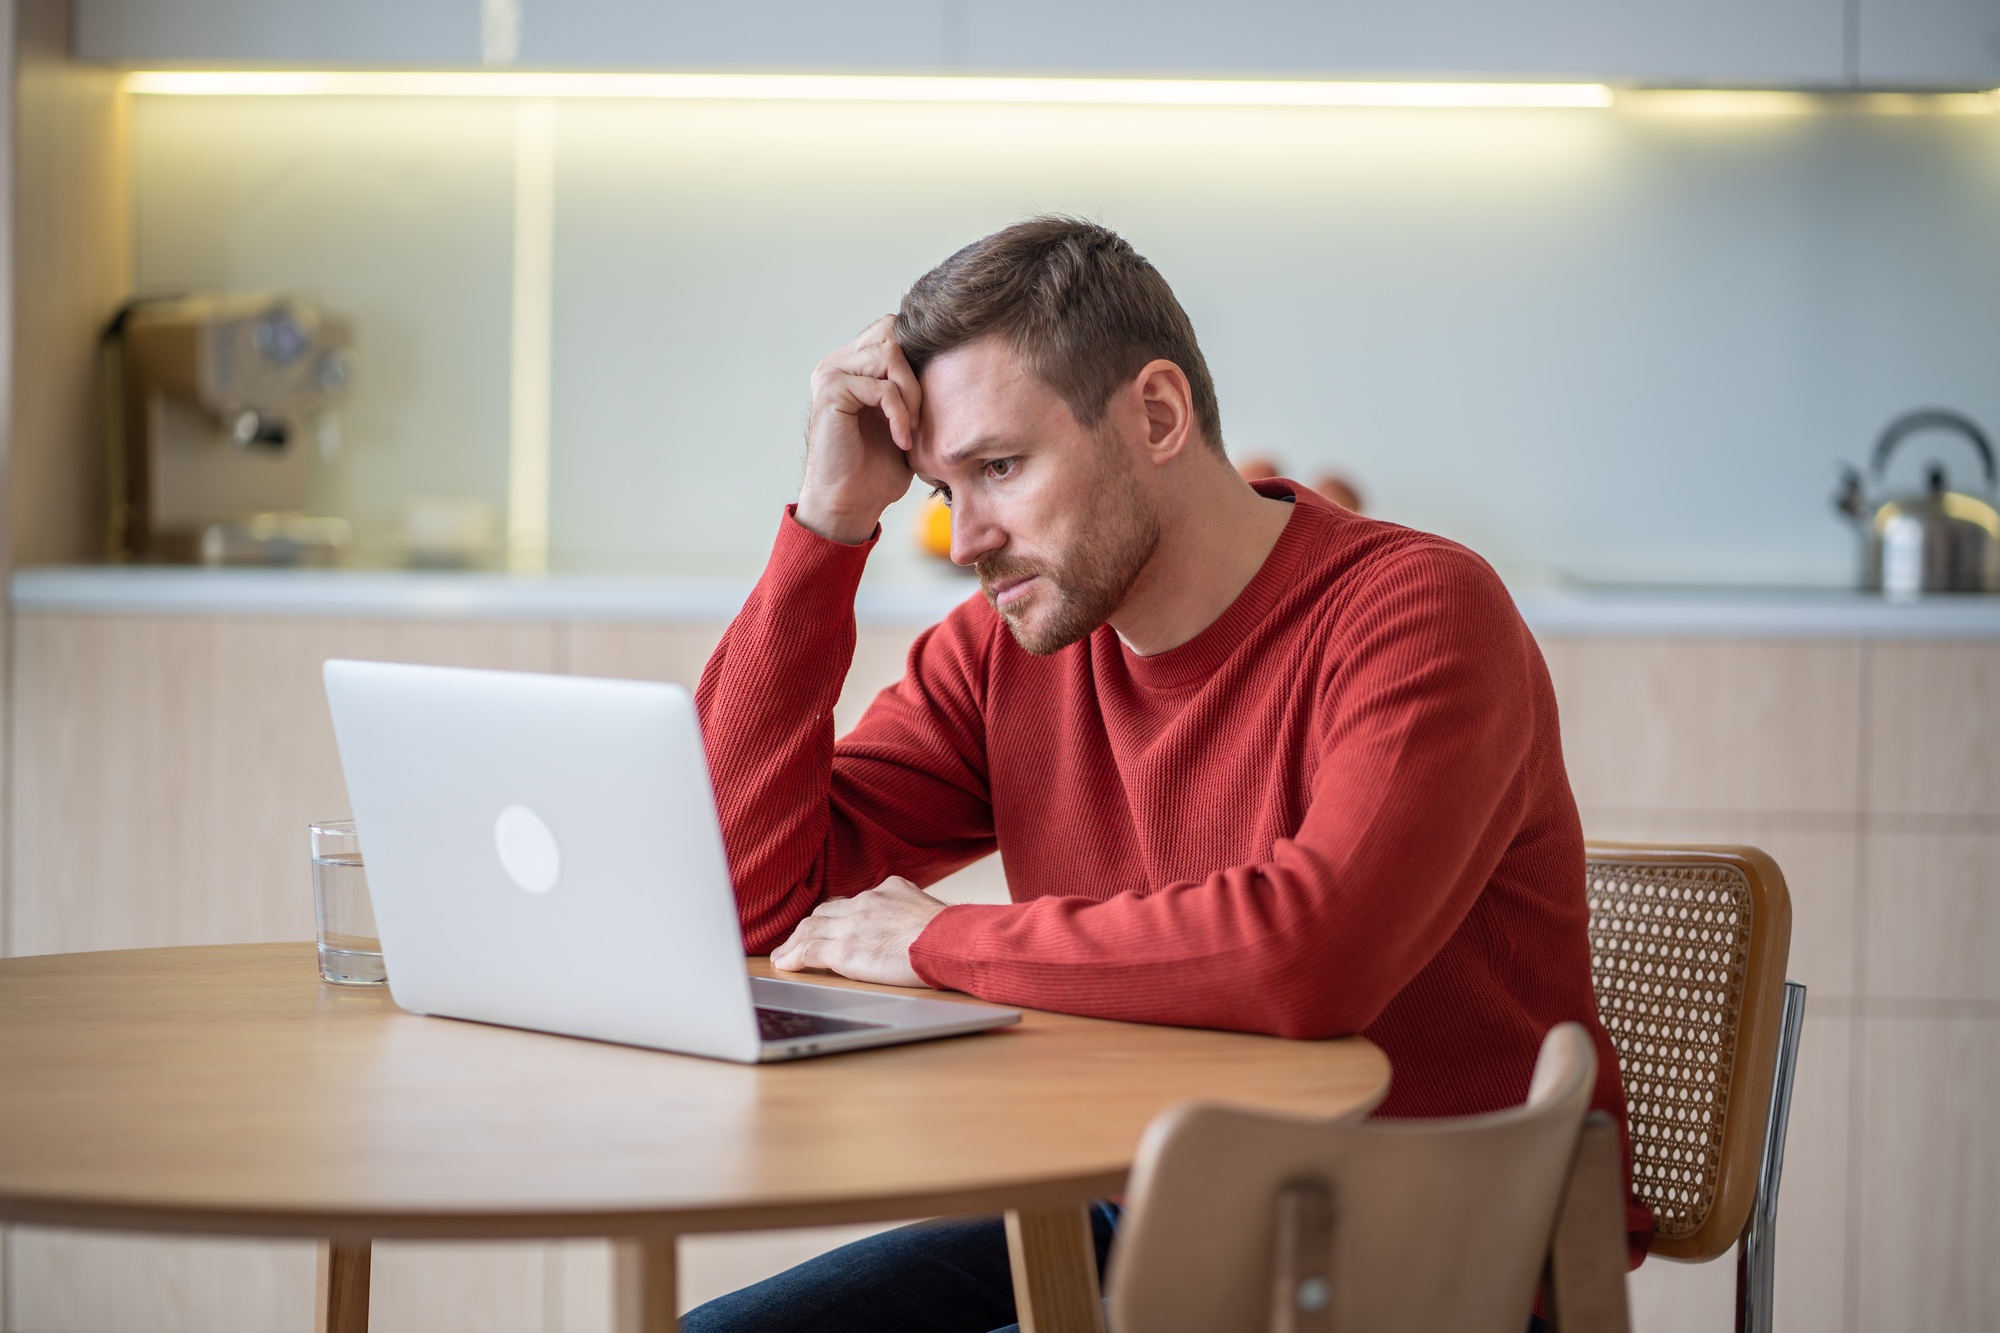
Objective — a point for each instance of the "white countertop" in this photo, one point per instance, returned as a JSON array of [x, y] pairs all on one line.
[[1561, 610]]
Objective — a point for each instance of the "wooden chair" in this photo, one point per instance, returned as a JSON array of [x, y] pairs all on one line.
[[1240, 1221], [1688, 952]]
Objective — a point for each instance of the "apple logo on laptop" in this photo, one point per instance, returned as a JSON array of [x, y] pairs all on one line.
[[528, 851]]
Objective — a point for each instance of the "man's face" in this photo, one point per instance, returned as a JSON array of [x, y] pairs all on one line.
[[1055, 517]]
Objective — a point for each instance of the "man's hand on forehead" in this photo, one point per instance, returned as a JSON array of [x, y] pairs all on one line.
[[865, 405], [866, 937]]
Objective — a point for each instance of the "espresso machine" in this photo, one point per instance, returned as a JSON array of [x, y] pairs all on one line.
[[220, 405]]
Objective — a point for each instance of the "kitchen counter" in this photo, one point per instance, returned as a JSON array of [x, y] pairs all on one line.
[[1627, 611]]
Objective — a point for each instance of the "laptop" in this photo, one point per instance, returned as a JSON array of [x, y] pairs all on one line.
[[543, 852]]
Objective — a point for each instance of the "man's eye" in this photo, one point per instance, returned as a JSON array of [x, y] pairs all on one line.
[[1000, 467], [941, 492]]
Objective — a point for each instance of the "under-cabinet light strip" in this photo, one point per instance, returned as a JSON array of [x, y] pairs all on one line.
[[861, 88]]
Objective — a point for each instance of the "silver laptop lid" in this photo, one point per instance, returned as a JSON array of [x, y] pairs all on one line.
[[543, 851]]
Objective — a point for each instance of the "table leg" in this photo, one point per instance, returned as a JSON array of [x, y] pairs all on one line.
[[1055, 1270], [343, 1286], [646, 1289]]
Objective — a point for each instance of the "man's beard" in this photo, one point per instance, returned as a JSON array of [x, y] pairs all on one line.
[[1090, 580]]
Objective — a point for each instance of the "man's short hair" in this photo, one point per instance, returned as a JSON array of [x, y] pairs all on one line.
[[1074, 300]]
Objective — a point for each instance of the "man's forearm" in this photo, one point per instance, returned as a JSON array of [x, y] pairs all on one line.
[[766, 702]]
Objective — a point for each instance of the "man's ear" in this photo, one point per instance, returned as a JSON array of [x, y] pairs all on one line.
[[1167, 404]]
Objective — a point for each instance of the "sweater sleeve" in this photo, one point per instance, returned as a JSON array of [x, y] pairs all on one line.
[[805, 818], [1427, 717]]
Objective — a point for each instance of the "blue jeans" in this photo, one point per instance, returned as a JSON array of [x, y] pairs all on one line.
[[949, 1276]]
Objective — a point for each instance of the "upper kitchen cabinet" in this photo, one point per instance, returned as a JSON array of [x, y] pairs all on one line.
[[422, 33], [889, 35], [1929, 43], [1678, 43]]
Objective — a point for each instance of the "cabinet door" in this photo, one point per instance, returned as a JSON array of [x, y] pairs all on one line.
[[1781, 42], [1659, 41], [437, 33], [1929, 43], [859, 35], [620, 34], [165, 768]]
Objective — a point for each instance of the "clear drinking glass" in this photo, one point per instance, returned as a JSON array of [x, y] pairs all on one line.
[[350, 951]]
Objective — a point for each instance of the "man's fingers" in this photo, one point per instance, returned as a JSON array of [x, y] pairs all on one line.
[[852, 393], [897, 371]]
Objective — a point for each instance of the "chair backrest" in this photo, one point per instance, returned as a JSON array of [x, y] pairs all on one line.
[[1238, 1220], [1688, 947]]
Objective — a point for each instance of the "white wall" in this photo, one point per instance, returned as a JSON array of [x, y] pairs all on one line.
[[1621, 345]]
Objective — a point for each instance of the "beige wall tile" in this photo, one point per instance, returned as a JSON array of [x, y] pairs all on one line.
[[1933, 915], [165, 769], [454, 1287], [1934, 729], [99, 1282], [1820, 860], [1929, 1197], [1677, 724]]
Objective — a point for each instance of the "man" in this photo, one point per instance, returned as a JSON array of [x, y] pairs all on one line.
[[1251, 761]]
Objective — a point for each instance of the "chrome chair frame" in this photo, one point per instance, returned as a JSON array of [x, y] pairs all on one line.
[[1757, 1251]]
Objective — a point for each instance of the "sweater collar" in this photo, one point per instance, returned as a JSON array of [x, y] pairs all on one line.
[[1198, 658]]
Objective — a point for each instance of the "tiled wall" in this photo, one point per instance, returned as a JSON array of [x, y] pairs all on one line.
[[1624, 344]]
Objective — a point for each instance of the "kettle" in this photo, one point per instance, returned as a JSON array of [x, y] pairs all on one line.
[[1938, 540]]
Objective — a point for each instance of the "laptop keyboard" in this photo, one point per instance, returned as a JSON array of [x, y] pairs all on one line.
[[785, 1024]]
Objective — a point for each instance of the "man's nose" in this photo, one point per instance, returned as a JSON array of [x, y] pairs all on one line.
[[973, 535]]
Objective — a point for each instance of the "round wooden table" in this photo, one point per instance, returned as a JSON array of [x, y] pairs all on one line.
[[226, 1090]]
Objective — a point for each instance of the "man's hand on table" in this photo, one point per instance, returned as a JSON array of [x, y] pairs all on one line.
[[866, 937]]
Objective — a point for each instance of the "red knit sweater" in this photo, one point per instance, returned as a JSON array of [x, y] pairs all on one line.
[[1341, 808]]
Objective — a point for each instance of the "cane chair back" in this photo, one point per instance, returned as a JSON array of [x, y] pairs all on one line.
[[1688, 951], [1242, 1220]]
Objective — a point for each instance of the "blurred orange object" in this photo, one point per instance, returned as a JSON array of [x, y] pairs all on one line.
[[1340, 490], [934, 527], [1257, 468]]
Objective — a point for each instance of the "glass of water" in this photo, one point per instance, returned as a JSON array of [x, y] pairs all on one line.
[[350, 952]]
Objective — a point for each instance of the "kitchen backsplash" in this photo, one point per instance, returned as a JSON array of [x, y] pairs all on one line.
[[1621, 345]]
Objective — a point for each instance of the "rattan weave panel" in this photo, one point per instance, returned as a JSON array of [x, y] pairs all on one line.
[[1668, 951]]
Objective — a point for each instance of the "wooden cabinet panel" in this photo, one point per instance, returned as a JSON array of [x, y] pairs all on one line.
[[1934, 729], [675, 653], [97, 1282], [1821, 866], [679, 652], [1930, 1173], [1686, 725], [456, 1287], [165, 769], [1814, 1193], [1933, 916], [1667, 1297]]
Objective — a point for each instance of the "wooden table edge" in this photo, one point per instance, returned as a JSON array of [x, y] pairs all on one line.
[[1061, 1192]]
